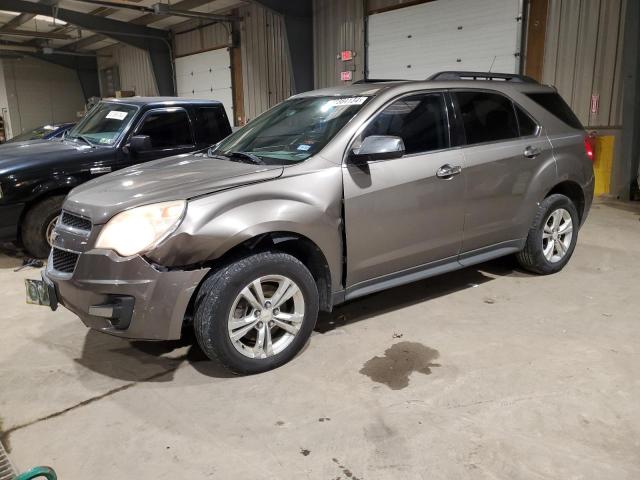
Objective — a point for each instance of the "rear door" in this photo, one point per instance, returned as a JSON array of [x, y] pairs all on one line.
[[399, 213], [504, 150]]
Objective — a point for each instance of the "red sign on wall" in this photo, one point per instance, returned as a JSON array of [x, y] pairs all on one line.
[[346, 76], [346, 55]]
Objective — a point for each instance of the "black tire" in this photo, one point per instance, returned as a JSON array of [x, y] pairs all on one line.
[[532, 258], [215, 298], [35, 223]]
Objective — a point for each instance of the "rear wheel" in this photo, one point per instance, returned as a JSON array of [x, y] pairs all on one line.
[[257, 313], [38, 224], [552, 237]]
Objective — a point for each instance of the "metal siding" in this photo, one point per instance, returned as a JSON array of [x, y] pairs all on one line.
[[604, 61], [39, 92], [585, 59], [458, 35], [199, 39], [337, 25], [135, 68], [266, 66], [583, 55], [615, 116]]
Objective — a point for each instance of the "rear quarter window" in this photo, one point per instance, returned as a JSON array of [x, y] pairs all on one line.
[[555, 105]]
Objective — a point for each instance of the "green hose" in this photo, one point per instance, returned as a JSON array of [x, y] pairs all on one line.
[[38, 472]]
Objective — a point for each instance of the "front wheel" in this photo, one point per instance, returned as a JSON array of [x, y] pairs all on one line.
[[38, 224], [552, 237], [257, 313]]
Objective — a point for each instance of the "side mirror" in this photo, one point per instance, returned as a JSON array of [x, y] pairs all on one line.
[[378, 147], [140, 143]]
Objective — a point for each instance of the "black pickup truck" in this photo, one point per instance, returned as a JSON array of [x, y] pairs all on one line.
[[35, 178]]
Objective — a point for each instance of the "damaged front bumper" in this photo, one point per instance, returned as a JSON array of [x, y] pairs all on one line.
[[127, 297]]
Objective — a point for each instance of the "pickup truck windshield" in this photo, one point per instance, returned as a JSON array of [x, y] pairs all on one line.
[[292, 131], [103, 124]]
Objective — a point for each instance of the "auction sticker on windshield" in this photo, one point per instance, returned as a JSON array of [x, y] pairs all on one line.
[[341, 102], [117, 114]]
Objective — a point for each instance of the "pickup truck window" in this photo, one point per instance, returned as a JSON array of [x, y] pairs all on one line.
[[211, 125], [294, 130], [167, 129], [103, 124]]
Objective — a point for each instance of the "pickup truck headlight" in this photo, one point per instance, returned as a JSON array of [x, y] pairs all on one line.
[[141, 229]]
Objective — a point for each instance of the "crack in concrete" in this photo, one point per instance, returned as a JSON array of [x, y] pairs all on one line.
[[4, 436]]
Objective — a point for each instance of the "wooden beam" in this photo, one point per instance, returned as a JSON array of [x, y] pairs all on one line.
[[536, 34], [237, 87]]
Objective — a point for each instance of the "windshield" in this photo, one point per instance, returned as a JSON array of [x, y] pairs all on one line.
[[103, 124], [292, 131]]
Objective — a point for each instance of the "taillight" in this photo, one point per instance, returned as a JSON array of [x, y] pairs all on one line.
[[590, 146]]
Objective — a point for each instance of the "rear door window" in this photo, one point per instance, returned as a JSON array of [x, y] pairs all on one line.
[[554, 104], [167, 129], [487, 117], [420, 120], [526, 124]]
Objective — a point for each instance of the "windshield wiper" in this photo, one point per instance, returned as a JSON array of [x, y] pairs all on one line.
[[84, 139], [247, 156]]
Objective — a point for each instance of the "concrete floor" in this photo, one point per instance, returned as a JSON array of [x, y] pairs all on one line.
[[484, 373]]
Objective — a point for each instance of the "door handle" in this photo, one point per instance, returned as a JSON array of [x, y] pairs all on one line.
[[447, 171], [531, 152]]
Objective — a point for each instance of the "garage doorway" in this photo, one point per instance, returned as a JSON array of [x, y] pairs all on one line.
[[415, 42], [206, 75]]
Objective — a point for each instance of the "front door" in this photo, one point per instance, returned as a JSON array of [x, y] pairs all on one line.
[[404, 213]]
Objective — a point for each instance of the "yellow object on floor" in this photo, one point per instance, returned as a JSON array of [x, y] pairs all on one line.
[[603, 164]]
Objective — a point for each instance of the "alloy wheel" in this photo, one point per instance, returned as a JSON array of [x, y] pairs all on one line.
[[266, 316], [556, 235]]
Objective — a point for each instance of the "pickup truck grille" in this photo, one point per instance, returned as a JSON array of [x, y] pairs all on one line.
[[74, 221], [64, 261]]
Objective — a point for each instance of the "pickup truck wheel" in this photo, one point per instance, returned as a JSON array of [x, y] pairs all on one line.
[[38, 224], [256, 313], [552, 237]]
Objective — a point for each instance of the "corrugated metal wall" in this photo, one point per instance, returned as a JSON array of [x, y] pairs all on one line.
[[199, 39], [135, 68], [266, 65], [337, 25], [583, 57], [39, 92]]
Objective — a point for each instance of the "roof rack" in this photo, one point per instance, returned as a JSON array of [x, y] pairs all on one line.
[[507, 77], [378, 80]]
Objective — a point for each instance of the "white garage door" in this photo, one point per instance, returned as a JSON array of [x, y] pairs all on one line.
[[206, 75], [415, 42]]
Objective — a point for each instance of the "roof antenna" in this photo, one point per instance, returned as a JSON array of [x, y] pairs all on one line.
[[494, 61]]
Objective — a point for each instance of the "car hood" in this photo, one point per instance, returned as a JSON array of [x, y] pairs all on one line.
[[38, 154], [174, 178]]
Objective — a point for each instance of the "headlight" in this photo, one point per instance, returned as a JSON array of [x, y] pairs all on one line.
[[140, 229]]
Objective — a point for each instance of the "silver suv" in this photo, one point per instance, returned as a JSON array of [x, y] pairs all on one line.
[[329, 196]]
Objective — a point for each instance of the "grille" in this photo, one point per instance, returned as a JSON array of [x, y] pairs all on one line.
[[75, 221], [64, 261]]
